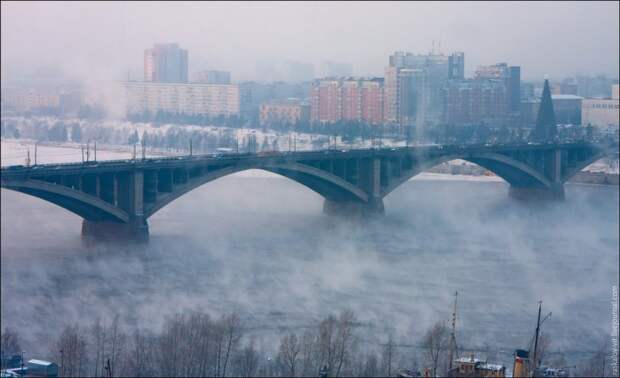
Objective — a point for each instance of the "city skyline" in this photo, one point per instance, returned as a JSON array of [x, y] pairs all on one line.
[[270, 35]]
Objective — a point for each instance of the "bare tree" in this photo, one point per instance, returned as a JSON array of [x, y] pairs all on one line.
[[97, 345], [370, 366], [173, 346], [142, 357], [289, 353], [435, 342], [344, 341], [9, 342], [388, 355], [9, 345], [70, 349], [227, 336], [116, 347], [310, 361], [326, 342], [247, 361], [596, 366]]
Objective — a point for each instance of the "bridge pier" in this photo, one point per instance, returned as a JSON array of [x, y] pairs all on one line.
[[354, 209], [535, 194], [137, 230]]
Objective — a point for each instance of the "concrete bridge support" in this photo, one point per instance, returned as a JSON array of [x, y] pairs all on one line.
[[370, 182], [535, 194], [354, 209], [552, 169], [137, 230], [131, 192]]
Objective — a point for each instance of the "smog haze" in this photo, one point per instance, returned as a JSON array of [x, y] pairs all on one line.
[[106, 40]]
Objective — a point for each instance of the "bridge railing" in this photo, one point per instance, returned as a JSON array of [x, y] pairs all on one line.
[[217, 155]]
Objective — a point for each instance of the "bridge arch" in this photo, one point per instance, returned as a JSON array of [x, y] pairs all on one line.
[[512, 171], [80, 203], [329, 186], [590, 160]]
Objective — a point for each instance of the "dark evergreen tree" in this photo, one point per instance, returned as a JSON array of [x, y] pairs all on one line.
[[546, 128]]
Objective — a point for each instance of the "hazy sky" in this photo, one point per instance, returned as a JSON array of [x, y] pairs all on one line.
[[104, 40]]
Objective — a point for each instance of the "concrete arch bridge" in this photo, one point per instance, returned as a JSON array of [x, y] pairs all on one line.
[[115, 198]]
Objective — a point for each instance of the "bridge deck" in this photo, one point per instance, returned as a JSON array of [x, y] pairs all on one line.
[[138, 163]]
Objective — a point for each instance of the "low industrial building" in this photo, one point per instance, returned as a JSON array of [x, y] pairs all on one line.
[[601, 112], [288, 111], [34, 368]]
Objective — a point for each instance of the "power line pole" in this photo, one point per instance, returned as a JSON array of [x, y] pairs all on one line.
[[536, 338], [453, 335]]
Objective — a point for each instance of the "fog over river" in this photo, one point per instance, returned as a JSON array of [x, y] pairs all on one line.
[[260, 245]]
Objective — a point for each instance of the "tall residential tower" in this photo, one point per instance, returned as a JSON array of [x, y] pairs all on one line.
[[165, 63]]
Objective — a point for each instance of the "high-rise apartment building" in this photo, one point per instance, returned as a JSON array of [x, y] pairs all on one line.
[[511, 76], [390, 94], [326, 101], [456, 66], [436, 70], [475, 101], [165, 63], [349, 99], [413, 97], [372, 101]]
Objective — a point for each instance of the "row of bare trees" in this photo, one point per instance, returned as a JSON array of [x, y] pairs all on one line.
[[194, 344]]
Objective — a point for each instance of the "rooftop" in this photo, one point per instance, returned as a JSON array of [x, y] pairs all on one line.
[[566, 97], [40, 362]]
